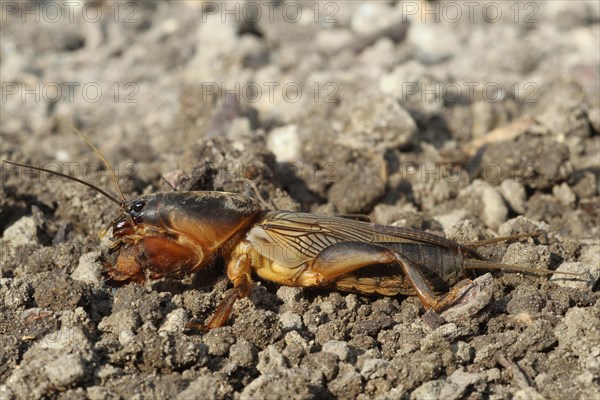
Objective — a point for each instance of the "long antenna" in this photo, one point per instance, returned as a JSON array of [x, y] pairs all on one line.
[[89, 143], [121, 204], [484, 264]]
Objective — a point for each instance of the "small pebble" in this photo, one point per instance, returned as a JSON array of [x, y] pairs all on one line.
[[207, 387], [347, 384], [590, 255], [21, 232], [564, 194], [289, 294], [337, 347], [373, 368], [429, 390], [88, 269], [66, 339], [294, 338], [521, 224], [243, 353], [369, 17], [174, 322], [494, 210], [330, 40], [474, 297], [107, 371], [528, 394], [433, 45], [588, 275], [66, 370], [449, 221], [219, 340], [457, 384], [290, 321], [525, 254], [270, 360], [514, 194], [284, 142]]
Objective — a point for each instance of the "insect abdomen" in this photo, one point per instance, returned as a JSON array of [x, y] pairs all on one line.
[[441, 266]]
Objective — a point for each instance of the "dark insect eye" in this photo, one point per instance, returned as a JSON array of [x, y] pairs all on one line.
[[138, 205]]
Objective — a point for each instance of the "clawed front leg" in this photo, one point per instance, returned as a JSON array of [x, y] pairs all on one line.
[[238, 272]]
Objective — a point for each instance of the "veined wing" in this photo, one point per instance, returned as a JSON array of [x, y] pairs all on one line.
[[309, 234]]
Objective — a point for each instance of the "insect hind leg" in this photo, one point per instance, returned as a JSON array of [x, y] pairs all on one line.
[[340, 259]]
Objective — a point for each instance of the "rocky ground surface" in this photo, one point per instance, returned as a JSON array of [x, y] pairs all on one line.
[[485, 123]]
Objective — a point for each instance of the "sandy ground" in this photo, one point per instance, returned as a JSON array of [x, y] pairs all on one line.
[[483, 123]]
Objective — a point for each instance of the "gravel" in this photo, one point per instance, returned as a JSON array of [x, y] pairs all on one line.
[[472, 128]]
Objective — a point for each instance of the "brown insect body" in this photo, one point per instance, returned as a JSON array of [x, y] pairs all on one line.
[[170, 234]]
